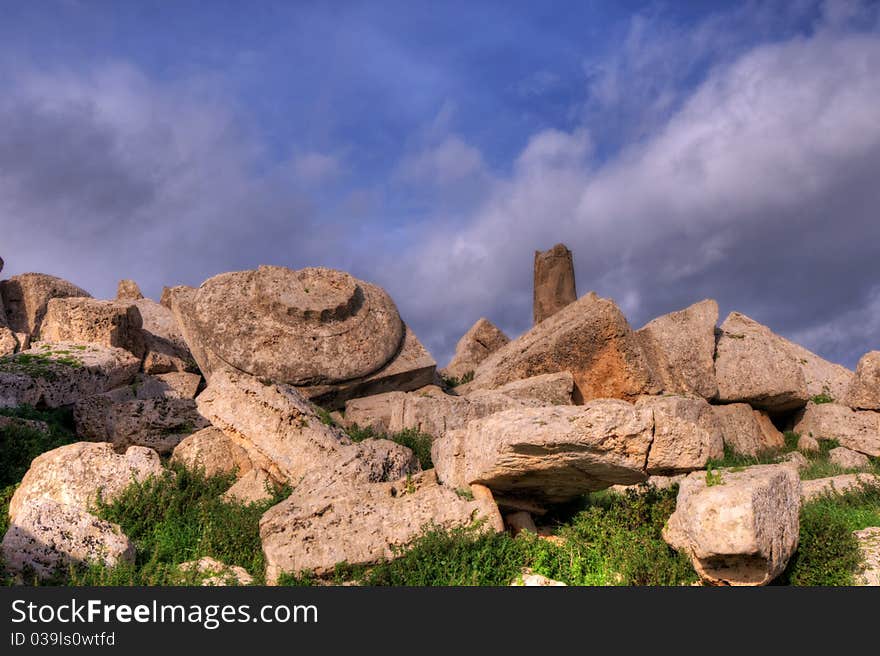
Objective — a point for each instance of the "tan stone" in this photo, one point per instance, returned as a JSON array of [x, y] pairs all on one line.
[[680, 348], [361, 524], [808, 444], [589, 338], [280, 424], [551, 453], [864, 391], [869, 546], [216, 573], [146, 413], [308, 327], [841, 484], [794, 459], [128, 290], [53, 375], [520, 521], [531, 580], [166, 349], [686, 434], [47, 535], [410, 369], [182, 383], [8, 341], [254, 486], [79, 474], [554, 285], [26, 296], [479, 342], [858, 430], [843, 457], [548, 389], [747, 431], [755, 366], [428, 410], [89, 321], [822, 377], [211, 450], [741, 531]]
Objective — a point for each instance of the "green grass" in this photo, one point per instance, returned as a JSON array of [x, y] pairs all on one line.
[[177, 518], [828, 553], [47, 365], [19, 445], [612, 540], [420, 443], [822, 398]]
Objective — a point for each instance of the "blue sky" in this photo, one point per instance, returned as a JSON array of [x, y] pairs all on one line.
[[683, 150]]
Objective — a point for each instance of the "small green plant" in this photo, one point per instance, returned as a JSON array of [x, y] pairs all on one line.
[[822, 398], [713, 476], [48, 365], [324, 415], [420, 443], [453, 381], [465, 493], [828, 553]]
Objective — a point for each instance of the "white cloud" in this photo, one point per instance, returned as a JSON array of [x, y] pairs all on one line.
[[315, 168]]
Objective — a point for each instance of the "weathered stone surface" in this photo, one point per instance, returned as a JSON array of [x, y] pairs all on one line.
[[360, 524], [428, 410], [25, 298], [411, 369], [308, 327], [552, 453], [848, 459], [255, 486], [166, 349], [747, 431], [78, 474], [591, 339], [55, 375], [858, 430], [46, 535], [478, 343], [554, 285], [531, 580], [808, 444], [841, 484], [216, 573], [755, 366], [863, 392], [869, 546], [277, 422], [128, 290], [145, 413], [686, 434], [214, 452], [8, 341], [183, 383], [547, 389], [741, 531], [822, 377], [89, 321], [680, 348], [794, 459], [520, 521]]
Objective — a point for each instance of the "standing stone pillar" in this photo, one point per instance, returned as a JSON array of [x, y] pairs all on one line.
[[554, 281]]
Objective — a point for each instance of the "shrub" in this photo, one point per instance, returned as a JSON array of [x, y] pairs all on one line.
[[20, 444], [420, 443], [828, 553]]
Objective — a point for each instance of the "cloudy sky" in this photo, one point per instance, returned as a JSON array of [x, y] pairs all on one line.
[[682, 150]]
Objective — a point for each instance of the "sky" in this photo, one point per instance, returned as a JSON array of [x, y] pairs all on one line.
[[682, 150]]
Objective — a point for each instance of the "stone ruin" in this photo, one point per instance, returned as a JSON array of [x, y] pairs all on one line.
[[245, 375]]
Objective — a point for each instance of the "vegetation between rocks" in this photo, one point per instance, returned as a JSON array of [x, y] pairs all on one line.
[[420, 443]]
